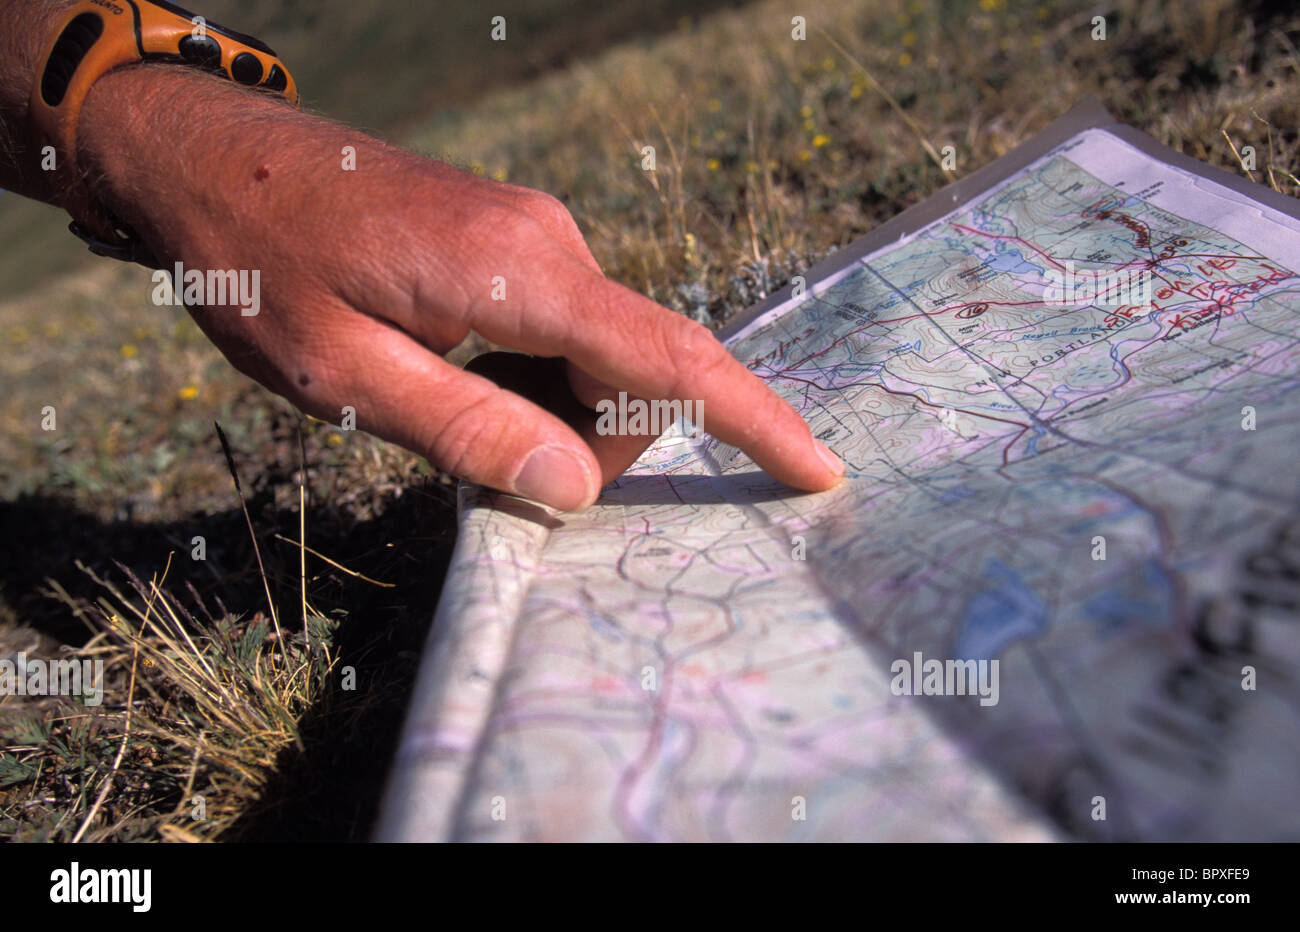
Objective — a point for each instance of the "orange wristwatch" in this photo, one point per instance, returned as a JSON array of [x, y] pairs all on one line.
[[97, 36]]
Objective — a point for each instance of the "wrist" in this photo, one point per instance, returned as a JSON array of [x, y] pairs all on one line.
[[169, 171]]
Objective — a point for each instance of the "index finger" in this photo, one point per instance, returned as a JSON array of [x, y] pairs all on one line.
[[633, 344]]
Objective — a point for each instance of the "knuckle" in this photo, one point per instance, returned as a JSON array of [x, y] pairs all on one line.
[[697, 357], [503, 223], [466, 440], [513, 223], [548, 207]]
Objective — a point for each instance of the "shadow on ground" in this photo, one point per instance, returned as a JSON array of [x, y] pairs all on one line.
[[330, 788]]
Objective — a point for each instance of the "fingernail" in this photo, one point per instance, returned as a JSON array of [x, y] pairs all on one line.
[[833, 462], [555, 477]]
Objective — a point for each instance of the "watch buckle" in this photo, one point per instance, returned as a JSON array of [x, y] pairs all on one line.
[[128, 248]]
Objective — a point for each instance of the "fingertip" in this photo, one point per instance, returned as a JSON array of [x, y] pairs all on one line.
[[817, 469], [832, 462]]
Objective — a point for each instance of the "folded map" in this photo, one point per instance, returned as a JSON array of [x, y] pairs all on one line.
[[1057, 597]]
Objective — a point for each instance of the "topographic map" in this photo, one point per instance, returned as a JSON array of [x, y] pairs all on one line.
[[1101, 496]]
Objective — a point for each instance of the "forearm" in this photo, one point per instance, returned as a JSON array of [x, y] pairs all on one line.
[[232, 158], [223, 152]]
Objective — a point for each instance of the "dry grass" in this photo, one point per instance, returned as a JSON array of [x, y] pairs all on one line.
[[769, 153], [214, 691]]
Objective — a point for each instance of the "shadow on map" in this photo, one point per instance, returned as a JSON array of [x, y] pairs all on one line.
[[749, 488]]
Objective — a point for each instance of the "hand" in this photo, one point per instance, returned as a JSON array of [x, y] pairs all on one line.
[[369, 276]]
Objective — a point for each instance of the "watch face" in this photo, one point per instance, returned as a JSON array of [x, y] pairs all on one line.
[[214, 27]]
